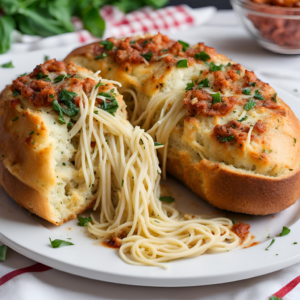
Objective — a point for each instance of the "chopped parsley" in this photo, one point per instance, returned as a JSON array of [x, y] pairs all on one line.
[[158, 144], [3, 250], [295, 140], [110, 103], [203, 83], [40, 75], [16, 93], [274, 98], [239, 72], [189, 86], [227, 139], [202, 56], [147, 56], [272, 242], [132, 42], [32, 132], [295, 243], [250, 104], [46, 57], [15, 119], [216, 98], [84, 221], [51, 96], [122, 182], [23, 74], [7, 65], [59, 78], [252, 83], [213, 67], [184, 45], [99, 83], [69, 124], [233, 222], [243, 119], [258, 95], [246, 91], [63, 164], [101, 56], [60, 243], [108, 45], [164, 50], [182, 63], [285, 231], [166, 199]]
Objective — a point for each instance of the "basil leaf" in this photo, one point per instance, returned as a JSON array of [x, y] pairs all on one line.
[[213, 67], [184, 45], [243, 119], [189, 86], [166, 199], [158, 144], [227, 138], [7, 25], [274, 98], [147, 56], [272, 242], [59, 78], [202, 56], [3, 250], [93, 21], [101, 56], [285, 231], [60, 243], [203, 83], [107, 96], [258, 95], [246, 91], [84, 221], [41, 75], [216, 98], [111, 106], [7, 65], [47, 79], [182, 63], [108, 45], [16, 93], [66, 98], [57, 107], [250, 105], [252, 83]]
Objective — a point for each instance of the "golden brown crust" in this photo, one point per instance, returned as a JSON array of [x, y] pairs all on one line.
[[228, 189]]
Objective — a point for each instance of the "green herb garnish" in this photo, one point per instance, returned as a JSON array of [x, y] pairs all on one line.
[[216, 98], [202, 56], [147, 56], [166, 199], [203, 83], [239, 72], [272, 242], [7, 65], [233, 222], [213, 67], [182, 63], [3, 250], [51, 96], [274, 297], [15, 119], [108, 45], [246, 91], [258, 95], [243, 119], [60, 243], [227, 139], [15, 93], [41, 75], [250, 104], [99, 83], [84, 221], [158, 144], [189, 86], [101, 56], [184, 45], [285, 231], [274, 98], [46, 57], [111, 105], [252, 83], [59, 78]]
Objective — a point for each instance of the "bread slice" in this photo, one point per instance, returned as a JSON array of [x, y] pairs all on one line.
[[37, 167], [235, 143]]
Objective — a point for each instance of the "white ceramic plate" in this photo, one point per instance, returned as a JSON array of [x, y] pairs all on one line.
[[29, 235]]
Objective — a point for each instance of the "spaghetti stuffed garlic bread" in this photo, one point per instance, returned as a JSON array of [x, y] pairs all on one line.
[[227, 135], [40, 167]]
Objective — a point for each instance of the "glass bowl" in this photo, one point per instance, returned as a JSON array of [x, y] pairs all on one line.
[[274, 28]]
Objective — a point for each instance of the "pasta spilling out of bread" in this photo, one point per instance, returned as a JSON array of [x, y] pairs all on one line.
[[84, 133]]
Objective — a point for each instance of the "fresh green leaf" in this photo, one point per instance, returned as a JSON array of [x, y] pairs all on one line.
[[108, 45], [57, 107], [101, 56], [47, 79], [203, 83], [3, 250], [250, 104], [46, 57], [111, 106], [202, 56], [15, 119], [158, 144], [84, 221], [147, 56], [189, 86], [93, 22], [24, 74], [66, 98], [7, 25], [132, 42], [60, 243], [285, 231], [7, 65], [166, 199], [15, 93], [252, 83], [272, 242], [213, 67], [258, 95], [182, 63], [216, 98], [239, 72], [51, 96], [41, 75], [99, 83], [184, 45], [274, 298], [122, 183], [246, 91], [295, 140], [243, 119], [233, 222], [227, 139], [59, 78], [274, 98]]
